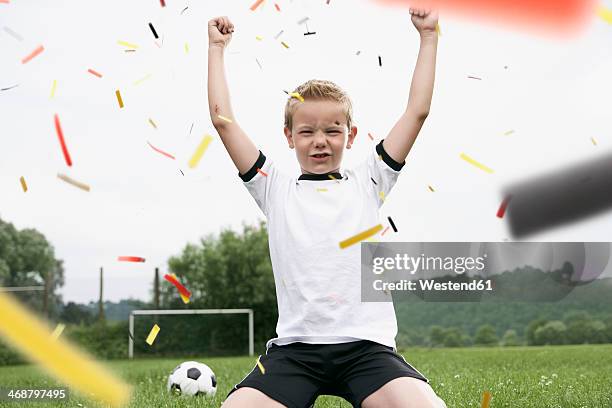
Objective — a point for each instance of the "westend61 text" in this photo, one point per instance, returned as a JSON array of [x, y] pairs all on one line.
[[430, 284]]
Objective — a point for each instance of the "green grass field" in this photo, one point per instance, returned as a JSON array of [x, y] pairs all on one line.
[[561, 376]]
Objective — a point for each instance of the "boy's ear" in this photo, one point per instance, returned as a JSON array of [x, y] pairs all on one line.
[[351, 137], [289, 137]]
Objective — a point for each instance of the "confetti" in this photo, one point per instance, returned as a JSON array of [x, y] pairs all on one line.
[[184, 298], [127, 44], [135, 50], [486, 399], [321, 190], [173, 280], [310, 33], [261, 367], [119, 99], [258, 63], [10, 87], [473, 77], [392, 224], [24, 186], [438, 30], [130, 334], [605, 14], [258, 37], [33, 54], [199, 152], [58, 331], [284, 44], [263, 173], [152, 123], [373, 181], [130, 259], [60, 135], [385, 231], [431, 189], [152, 334], [360, 237], [358, 52], [13, 34], [186, 48], [153, 31], [302, 21], [72, 181], [594, 141], [62, 360], [379, 61], [370, 136], [228, 120], [502, 208], [163, 3], [91, 71], [381, 194], [297, 96], [277, 7], [184, 10], [475, 163], [161, 152], [279, 34], [53, 87], [191, 128], [142, 79], [256, 4], [508, 133]]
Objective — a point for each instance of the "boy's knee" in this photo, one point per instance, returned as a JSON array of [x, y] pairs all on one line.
[[247, 397]]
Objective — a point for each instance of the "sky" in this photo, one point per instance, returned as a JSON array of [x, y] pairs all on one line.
[[535, 109]]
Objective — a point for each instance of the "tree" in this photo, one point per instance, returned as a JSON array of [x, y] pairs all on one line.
[[551, 333], [486, 336], [437, 335], [28, 259], [76, 314], [510, 338], [531, 329], [453, 337]]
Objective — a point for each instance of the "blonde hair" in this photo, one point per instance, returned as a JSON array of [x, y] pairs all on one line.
[[319, 89]]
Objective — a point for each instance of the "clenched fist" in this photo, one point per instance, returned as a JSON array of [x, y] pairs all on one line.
[[220, 31]]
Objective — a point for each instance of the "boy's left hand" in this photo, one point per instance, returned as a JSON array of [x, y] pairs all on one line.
[[424, 20]]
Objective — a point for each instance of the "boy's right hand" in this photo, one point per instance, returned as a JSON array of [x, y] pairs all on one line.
[[220, 31]]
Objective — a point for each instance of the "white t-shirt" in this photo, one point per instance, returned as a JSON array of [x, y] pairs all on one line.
[[318, 284]]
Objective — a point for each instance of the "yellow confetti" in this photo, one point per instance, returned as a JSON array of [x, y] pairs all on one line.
[[184, 298], [382, 195], [438, 30], [61, 359], [475, 163], [186, 48], [509, 133], [24, 186], [605, 14], [321, 190], [119, 99], [594, 141], [360, 237], [199, 152], [53, 87], [486, 399], [431, 189], [152, 123], [58, 331], [261, 367], [297, 96], [127, 44], [284, 44], [258, 37], [152, 335], [142, 79], [72, 181], [228, 120]]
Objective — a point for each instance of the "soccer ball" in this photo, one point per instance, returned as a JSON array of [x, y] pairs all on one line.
[[192, 378]]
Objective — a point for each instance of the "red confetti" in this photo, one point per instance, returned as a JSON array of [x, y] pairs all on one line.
[[560, 16], [183, 290], [263, 173], [370, 135], [163, 3], [60, 135], [161, 151], [91, 71], [502, 208], [130, 259], [277, 7], [34, 53]]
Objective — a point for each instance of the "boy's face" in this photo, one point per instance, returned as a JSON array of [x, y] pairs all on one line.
[[319, 134]]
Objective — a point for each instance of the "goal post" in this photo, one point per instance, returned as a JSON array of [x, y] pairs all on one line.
[[188, 312]]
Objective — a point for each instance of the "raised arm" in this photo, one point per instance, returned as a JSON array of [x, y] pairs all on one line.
[[401, 138], [241, 149]]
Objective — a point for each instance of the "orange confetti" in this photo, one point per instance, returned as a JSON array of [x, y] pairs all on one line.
[[33, 54], [91, 71], [263, 173], [256, 4]]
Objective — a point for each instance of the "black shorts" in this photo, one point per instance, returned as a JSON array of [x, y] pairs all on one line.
[[297, 373]]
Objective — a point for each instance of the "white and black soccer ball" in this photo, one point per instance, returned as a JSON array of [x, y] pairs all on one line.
[[192, 379]]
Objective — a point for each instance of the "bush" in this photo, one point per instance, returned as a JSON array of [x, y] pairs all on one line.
[[486, 336]]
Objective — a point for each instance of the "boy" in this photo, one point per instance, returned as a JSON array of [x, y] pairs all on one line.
[[329, 342]]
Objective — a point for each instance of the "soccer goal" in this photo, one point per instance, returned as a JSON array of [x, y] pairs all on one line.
[[133, 313]]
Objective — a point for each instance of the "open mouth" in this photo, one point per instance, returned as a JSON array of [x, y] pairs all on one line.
[[320, 155]]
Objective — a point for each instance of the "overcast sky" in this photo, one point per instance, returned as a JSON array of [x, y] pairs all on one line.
[[554, 94]]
